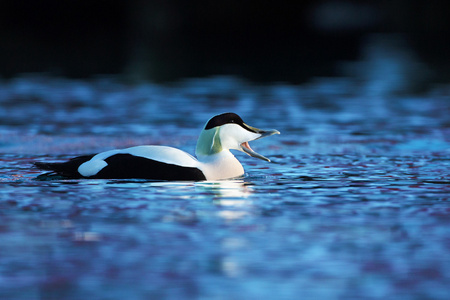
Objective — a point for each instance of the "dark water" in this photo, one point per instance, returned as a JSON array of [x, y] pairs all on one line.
[[355, 204]]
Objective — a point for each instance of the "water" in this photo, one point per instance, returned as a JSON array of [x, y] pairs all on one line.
[[355, 204]]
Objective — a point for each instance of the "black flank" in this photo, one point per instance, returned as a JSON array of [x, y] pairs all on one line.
[[126, 166], [123, 166]]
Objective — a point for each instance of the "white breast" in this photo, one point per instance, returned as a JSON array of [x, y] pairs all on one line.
[[222, 165]]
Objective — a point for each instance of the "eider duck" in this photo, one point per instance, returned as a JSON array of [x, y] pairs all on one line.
[[214, 161]]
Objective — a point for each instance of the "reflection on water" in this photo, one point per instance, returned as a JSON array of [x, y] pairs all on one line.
[[225, 189], [353, 206], [231, 195]]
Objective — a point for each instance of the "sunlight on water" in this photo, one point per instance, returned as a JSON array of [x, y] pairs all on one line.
[[355, 204]]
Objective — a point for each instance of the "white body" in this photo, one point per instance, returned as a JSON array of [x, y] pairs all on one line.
[[224, 161], [214, 158]]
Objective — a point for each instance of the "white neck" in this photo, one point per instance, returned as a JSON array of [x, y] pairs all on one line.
[[221, 165]]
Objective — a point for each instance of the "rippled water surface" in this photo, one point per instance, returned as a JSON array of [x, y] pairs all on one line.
[[355, 204]]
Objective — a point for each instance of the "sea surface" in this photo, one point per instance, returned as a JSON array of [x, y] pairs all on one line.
[[354, 205]]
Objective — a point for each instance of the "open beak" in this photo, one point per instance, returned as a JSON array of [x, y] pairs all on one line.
[[263, 133]]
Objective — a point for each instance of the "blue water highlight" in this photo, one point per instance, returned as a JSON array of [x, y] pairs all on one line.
[[354, 205]]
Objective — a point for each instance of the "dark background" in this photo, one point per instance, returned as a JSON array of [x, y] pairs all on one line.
[[164, 40]]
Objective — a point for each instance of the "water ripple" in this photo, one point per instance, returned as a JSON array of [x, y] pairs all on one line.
[[354, 205]]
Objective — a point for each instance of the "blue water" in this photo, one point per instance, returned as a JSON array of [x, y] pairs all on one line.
[[355, 204]]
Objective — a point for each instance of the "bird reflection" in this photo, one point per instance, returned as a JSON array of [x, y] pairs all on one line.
[[232, 190], [231, 195]]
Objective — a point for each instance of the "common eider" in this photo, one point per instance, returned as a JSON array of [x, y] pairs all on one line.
[[214, 161]]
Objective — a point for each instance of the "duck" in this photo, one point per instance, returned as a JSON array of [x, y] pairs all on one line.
[[213, 161]]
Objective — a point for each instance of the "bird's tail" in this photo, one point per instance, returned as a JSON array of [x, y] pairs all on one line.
[[68, 168], [46, 166]]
